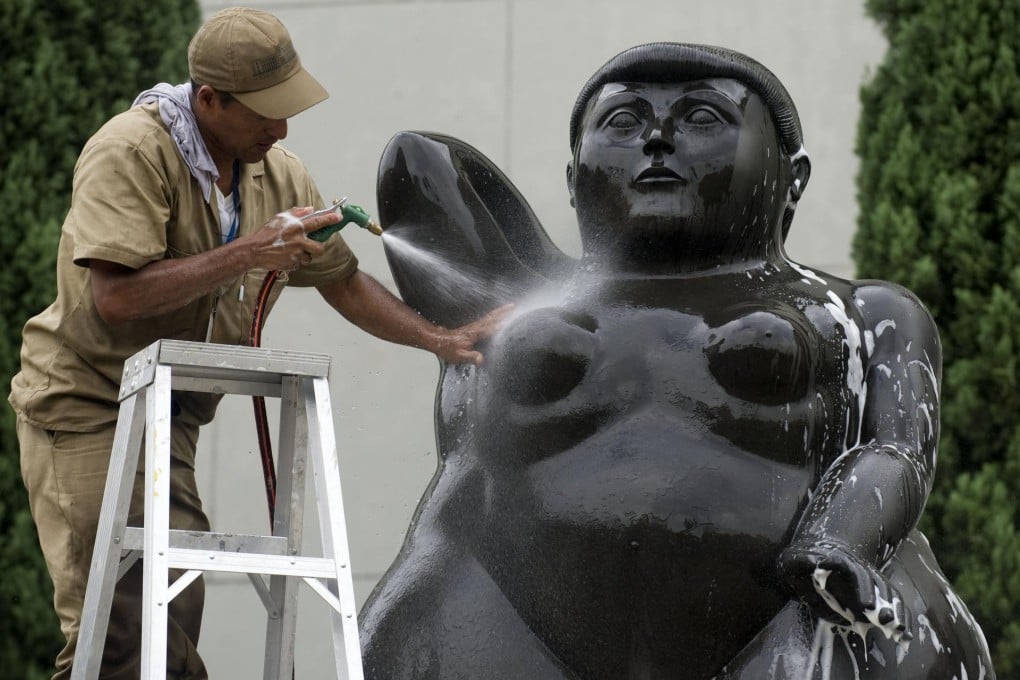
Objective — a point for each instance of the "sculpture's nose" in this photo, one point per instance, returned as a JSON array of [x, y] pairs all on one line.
[[661, 137]]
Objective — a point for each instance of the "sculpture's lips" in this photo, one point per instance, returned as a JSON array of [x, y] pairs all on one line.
[[659, 174]]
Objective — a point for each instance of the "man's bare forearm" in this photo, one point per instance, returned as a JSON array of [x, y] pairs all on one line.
[[123, 294]]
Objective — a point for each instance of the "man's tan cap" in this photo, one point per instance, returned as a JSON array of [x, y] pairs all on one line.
[[249, 54]]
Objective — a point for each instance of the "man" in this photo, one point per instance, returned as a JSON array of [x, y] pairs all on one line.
[[180, 207]]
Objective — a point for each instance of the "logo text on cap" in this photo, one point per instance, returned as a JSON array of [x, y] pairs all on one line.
[[283, 56]]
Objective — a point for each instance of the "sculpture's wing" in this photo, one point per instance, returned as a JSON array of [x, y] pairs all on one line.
[[460, 239]]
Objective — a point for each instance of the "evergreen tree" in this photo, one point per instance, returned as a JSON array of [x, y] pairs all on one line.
[[939, 196], [67, 66]]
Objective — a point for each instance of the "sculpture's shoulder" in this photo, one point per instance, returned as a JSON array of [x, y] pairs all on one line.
[[884, 303], [873, 301]]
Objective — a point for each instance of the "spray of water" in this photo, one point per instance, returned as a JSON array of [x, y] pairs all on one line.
[[451, 276], [448, 275]]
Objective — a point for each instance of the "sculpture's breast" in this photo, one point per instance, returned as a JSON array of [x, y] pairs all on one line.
[[762, 357], [747, 375]]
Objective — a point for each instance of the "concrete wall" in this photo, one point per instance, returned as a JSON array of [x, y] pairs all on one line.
[[501, 75]]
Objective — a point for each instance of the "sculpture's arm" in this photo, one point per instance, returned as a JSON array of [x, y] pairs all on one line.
[[871, 497]]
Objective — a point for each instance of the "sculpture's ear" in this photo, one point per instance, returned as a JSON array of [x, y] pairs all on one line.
[[800, 173], [570, 182], [801, 166]]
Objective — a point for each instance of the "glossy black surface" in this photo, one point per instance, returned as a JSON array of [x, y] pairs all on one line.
[[685, 456]]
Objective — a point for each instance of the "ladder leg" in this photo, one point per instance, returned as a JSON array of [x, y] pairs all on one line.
[[326, 471], [289, 520], [155, 563], [127, 443]]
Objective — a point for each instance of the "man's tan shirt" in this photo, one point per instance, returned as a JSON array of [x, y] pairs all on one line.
[[133, 202]]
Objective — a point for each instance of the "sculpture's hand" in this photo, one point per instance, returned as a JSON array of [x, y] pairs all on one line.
[[842, 588], [460, 238]]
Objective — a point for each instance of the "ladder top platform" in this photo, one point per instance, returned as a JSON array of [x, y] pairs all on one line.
[[208, 362]]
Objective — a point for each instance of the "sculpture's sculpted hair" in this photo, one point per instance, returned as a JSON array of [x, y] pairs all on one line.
[[670, 62]]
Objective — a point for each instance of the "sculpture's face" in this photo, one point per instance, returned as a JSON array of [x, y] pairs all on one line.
[[690, 170]]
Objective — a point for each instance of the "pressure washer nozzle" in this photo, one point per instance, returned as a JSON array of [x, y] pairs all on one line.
[[357, 214]]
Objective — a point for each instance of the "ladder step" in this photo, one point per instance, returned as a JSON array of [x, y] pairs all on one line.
[[134, 538], [247, 563]]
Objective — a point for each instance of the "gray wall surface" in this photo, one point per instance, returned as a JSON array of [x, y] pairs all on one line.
[[502, 75]]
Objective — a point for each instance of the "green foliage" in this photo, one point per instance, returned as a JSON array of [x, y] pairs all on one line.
[[939, 191], [67, 66]]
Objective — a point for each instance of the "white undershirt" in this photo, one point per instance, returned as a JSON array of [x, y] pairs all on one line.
[[226, 210], [226, 206]]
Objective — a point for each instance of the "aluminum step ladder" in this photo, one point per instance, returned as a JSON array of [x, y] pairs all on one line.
[[300, 380]]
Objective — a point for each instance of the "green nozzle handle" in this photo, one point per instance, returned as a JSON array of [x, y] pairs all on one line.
[[348, 213]]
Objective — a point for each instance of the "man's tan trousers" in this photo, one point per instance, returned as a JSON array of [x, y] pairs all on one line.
[[65, 473]]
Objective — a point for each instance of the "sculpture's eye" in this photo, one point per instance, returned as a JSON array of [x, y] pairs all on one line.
[[702, 115], [623, 120]]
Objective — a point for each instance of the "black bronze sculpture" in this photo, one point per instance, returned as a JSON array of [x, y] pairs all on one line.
[[686, 456]]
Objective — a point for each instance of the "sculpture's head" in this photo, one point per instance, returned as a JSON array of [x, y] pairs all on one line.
[[684, 156]]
